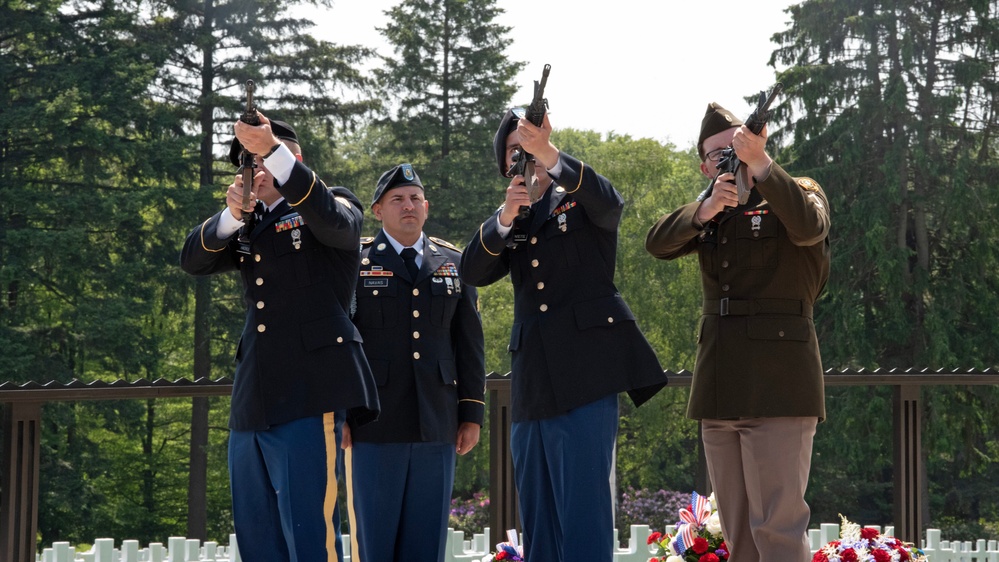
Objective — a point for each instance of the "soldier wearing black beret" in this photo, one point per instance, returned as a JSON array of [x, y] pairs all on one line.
[[757, 387], [300, 367], [574, 341], [423, 338]]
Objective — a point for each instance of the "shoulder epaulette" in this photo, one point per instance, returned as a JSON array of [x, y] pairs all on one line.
[[365, 240], [445, 243]]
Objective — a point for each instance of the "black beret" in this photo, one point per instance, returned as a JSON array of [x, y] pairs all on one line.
[[281, 130], [398, 176], [506, 126], [716, 119]]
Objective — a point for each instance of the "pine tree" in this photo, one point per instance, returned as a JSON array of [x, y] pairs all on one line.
[[894, 112], [84, 248], [450, 82], [210, 50]]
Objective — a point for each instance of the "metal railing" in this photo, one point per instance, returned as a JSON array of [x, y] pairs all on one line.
[[22, 414]]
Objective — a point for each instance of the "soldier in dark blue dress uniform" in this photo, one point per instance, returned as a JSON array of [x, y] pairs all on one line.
[[423, 338], [574, 341], [300, 366]]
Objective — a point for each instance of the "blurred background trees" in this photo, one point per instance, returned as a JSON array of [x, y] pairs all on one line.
[[114, 126]]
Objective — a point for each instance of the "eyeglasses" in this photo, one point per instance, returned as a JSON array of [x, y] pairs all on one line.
[[714, 155]]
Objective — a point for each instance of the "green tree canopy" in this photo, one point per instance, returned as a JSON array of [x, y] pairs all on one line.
[[450, 82], [894, 111]]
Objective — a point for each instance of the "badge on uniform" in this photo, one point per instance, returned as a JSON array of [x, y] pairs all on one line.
[[296, 239], [448, 269], [757, 220], [288, 222], [375, 271], [560, 212]]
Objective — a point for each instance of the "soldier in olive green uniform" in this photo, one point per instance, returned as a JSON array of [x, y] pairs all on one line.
[[757, 385]]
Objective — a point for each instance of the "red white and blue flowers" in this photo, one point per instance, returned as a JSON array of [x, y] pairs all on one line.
[[509, 550], [696, 537], [858, 544]]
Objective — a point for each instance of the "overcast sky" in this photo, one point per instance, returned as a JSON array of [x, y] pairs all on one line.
[[646, 68]]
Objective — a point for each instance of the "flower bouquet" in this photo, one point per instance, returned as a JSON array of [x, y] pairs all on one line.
[[858, 544], [697, 537], [509, 550]]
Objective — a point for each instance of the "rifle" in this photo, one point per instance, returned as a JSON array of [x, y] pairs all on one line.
[[730, 163], [523, 161], [247, 166]]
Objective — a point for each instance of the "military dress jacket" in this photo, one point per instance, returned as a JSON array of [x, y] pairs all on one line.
[[574, 340], [299, 354], [423, 339], [763, 265]]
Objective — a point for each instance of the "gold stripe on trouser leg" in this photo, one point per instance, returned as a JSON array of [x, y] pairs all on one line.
[[355, 553], [329, 503]]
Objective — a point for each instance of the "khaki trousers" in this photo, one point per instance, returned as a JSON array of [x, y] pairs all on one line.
[[759, 471]]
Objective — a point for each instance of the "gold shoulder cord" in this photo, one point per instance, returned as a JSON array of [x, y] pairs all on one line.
[[483, 242], [307, 194], [207, 249], [582, 168]]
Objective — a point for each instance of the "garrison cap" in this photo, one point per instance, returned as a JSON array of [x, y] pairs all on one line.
[[716, 119], [281, 130], [506, 126], [398, 176]]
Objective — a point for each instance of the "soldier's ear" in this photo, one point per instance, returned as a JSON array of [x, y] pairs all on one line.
[[376, 210]]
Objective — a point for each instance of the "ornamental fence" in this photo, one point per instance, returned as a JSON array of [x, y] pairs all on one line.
[[179, 549], [22, 414]]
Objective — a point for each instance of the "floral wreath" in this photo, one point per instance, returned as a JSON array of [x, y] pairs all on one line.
[[509, 550], [858, 544], [696, 537]]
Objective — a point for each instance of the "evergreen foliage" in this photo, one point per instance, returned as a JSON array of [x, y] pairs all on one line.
[[450, 83], [894, 111], [115, 118]]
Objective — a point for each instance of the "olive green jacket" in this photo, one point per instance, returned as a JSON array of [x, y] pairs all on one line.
[[763, 264]]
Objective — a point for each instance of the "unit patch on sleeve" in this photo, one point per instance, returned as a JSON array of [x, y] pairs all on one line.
[[808, 184]]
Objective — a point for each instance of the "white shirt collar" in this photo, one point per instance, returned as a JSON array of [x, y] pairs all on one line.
[[272, 206], [399, 247]]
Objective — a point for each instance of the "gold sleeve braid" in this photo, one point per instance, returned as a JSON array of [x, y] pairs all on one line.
[[582, 168], [313, 184], [207, 249], [483, 242]]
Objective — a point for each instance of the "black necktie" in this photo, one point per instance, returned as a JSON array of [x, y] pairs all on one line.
[[409, 258]]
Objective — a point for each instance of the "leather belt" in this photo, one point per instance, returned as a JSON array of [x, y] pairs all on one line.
[[750, 307]]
